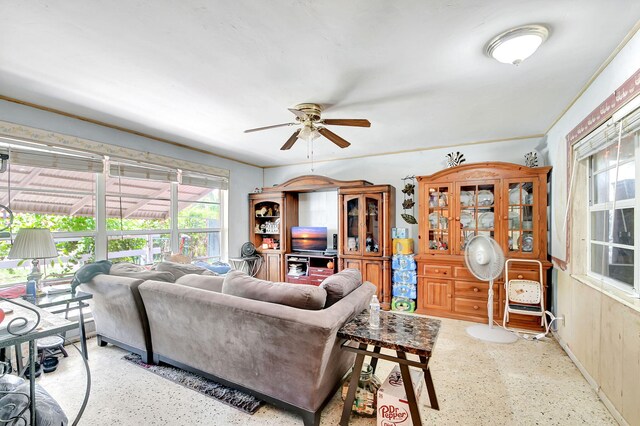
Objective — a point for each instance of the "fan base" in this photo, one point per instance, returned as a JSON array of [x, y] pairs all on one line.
[[491, 334]]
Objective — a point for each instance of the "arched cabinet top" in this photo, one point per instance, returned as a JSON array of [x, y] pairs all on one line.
[[487, 170], [309, 183]]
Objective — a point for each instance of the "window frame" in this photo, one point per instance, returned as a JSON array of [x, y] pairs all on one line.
[[101, 192], [613, 206]]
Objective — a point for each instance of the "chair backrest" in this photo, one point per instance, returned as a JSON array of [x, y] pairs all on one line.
[[524, 291]]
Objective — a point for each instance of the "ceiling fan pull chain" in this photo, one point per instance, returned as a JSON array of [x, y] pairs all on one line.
[[311, 154]]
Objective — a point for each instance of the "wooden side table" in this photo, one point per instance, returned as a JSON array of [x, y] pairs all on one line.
[[405, 334]]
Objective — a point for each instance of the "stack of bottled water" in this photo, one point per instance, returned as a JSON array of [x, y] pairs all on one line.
[[405, 281]]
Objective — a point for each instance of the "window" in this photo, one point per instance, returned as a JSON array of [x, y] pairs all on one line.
[[62, 201], [614, 169], [149, 211], [138, 218], [199, 222]]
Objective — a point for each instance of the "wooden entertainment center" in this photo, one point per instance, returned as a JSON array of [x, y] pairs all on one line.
[[314, 268], [365, 218]]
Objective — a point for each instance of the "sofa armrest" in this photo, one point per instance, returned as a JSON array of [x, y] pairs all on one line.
[[118, 310]]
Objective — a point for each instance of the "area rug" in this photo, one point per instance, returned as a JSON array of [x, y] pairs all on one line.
[[232, 397]]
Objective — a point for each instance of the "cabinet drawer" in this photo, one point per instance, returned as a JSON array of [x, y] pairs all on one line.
[[323, 272], [475, 307], [463, 272], [431, 270], [316, 280], [298, 280], [476, 290]]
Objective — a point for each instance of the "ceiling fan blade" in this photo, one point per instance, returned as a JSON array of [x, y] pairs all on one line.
[[301, 115], [357, 122], [333, 137], [257, 129], [289, 143]]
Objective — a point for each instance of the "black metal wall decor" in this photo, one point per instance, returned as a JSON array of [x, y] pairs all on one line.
[[455, 159], [532, 159], [408, 191]]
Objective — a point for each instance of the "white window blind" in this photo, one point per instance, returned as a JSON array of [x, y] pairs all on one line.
[[606, 135], [136, 171], [51, 160], [205, 181]]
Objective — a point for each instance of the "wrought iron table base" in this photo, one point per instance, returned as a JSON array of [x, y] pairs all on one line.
[[401, 359]]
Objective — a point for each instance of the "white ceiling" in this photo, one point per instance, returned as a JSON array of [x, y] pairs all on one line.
[[200, 72]]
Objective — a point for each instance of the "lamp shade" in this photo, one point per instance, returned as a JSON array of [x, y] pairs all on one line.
[[33, 243]]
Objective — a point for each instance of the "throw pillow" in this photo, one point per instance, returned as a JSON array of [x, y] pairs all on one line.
[[341, 284], [136, 271], [205, 282], [300, 296], [180, 269]]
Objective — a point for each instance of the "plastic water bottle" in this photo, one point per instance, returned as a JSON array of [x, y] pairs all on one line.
[[31, 288], [374, 312]]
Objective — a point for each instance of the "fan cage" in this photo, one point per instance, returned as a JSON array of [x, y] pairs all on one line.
[[493, 269]]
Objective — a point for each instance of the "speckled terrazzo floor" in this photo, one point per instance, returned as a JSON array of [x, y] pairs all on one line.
[[526, 383]]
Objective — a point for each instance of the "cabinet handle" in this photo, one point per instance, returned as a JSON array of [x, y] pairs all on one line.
[[457, 218], [505, 217], [450, 218], [475, 307], [436, 271], [520, 277], [476, 289]]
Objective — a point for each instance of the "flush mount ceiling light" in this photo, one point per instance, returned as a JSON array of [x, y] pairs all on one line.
[[517, 44]]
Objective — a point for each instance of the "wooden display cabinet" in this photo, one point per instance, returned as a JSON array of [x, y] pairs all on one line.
[[271, 217], [365, 220], [507, 202]]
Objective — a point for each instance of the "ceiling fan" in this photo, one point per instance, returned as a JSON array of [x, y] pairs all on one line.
[[312, 125]]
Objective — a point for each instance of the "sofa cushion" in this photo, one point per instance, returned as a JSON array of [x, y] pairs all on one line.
[[180, 269], [140, 272], [300, 296], [205, 282], [341, 284]]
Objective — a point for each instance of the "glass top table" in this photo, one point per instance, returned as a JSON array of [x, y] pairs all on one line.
[[67, 299], [402, 333], [25, 322]]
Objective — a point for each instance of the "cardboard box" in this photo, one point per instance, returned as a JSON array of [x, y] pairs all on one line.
[[393, 408], [402, 246], [399, 232]]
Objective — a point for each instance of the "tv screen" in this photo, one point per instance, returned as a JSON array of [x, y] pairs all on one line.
[[308, 238]]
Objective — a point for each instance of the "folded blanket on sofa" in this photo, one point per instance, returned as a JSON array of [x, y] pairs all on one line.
[[88, 271]]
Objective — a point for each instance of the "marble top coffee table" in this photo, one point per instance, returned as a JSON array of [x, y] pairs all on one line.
[[402, 333]]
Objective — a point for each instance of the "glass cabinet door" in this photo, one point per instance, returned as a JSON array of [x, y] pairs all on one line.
[[521, 223], [371, 214], [476, 212], [439, 218], [352, 225]]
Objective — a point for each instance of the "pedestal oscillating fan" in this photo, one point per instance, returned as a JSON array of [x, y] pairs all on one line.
[[485, 260]]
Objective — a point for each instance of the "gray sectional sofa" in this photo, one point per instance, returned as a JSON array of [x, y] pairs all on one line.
[[286, 356]]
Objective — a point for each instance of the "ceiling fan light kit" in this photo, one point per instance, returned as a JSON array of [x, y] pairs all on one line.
[[517, 44], [308, 116]]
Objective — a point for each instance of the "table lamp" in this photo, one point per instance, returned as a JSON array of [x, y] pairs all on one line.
[[36, 244]]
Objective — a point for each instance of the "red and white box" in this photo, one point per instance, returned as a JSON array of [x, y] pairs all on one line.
[[393, 407]]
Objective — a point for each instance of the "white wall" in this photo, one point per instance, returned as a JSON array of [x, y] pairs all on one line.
[[319, 209], [243, 179], [601, 325], [390, 169], [617, 72]]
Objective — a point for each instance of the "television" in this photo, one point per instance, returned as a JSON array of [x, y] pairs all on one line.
[[308, 238]]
